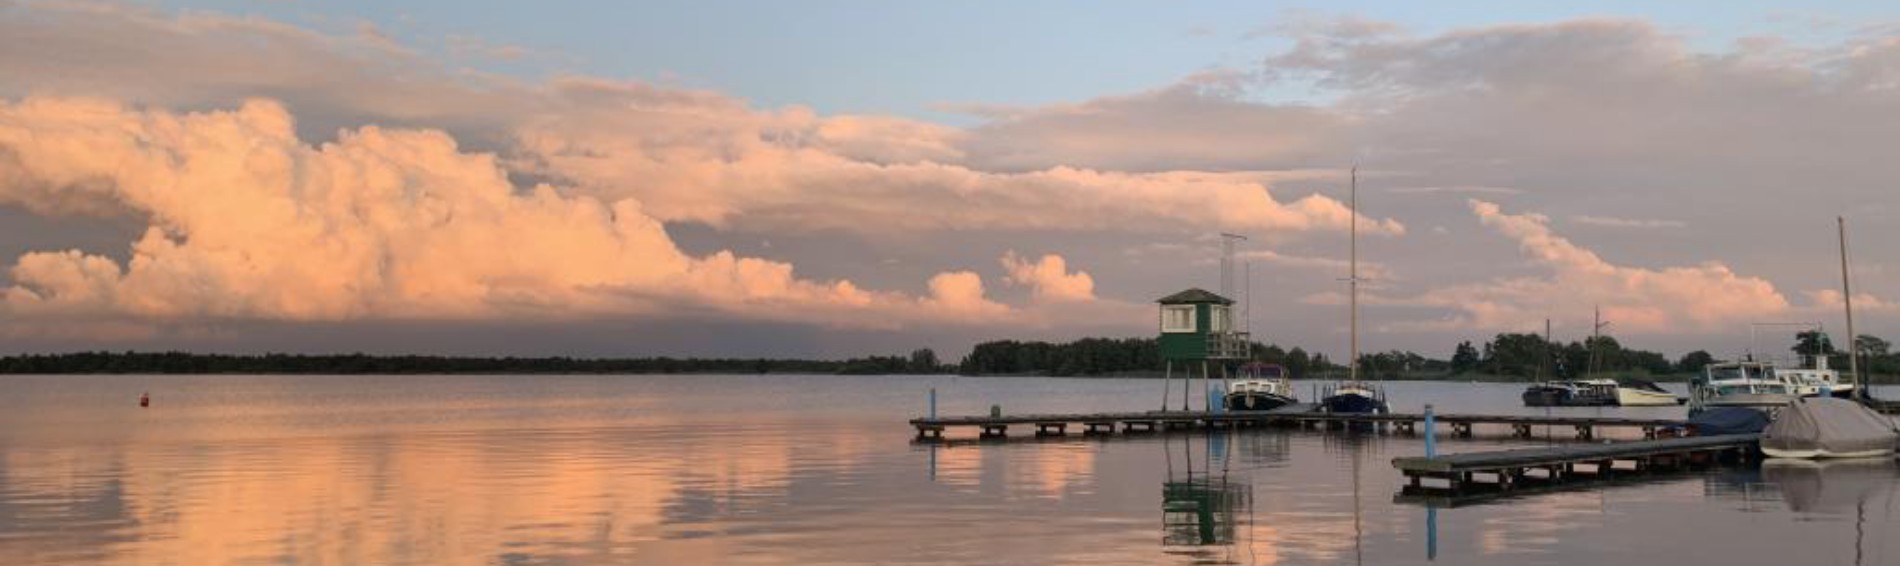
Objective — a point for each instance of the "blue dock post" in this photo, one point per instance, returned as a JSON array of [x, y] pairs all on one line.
[[1431, 433], [933, 402]]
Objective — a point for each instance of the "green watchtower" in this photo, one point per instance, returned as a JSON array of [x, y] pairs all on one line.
[[1198, 326]]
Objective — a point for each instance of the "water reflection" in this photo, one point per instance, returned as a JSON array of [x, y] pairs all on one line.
[[1839, 486], [1203, 503], [661, 470]]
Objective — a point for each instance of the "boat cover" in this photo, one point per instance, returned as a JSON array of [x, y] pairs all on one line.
[[1728, 420], [1835, 426]]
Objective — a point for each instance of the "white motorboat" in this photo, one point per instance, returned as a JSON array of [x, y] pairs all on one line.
[[1639, 393], [1739, 384], [1816, 381]]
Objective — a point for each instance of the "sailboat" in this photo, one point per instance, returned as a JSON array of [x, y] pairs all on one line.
[[1354, 396]]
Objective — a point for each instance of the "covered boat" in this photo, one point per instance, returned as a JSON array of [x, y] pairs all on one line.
[[1825, 427]]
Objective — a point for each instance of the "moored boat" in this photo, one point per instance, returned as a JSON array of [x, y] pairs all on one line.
[[1575, 393], [1739, 384], [1641, 393], [1262, 387], [1355, 397], [1825, 427]]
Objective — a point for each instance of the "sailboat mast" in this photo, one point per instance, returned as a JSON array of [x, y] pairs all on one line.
[[1847, 300], [1352, 277]]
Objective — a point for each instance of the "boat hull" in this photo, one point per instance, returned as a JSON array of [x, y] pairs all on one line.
[[1256, 401], [1353, 403], [1817, 454], [1551, 397], [1628, 397], [1754, 400]]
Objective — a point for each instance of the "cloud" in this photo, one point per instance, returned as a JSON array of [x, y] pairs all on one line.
[[1455, 190], [1828, 302], [1705, 297], [1614, 222], [707, 159], [246, 221], [686, 155], [1049, 278], [1334, 266]]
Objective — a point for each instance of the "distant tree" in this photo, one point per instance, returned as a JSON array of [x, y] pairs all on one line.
[[1871, 346], [1811, 343], [923, 360], [1693, 362], [1465, 358], [1297, 363]]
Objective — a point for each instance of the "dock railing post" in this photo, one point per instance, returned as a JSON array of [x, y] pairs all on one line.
[[933, 403], [1431, 432]]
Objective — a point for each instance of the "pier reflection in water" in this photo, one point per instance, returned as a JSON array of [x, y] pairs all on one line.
[[1203, 503], [812, 469]]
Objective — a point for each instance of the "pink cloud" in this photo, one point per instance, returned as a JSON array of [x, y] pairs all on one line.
[[247, 221], [1049, 278], [1704, 297]]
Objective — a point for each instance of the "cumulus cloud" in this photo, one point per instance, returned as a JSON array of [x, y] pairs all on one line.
[[687, 155], [710, 160], [248, 221], [1049, 278], [1708, 296], [1828, 302]]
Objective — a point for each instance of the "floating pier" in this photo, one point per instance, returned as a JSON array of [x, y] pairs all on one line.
[[1303, 416], [1478, 474]]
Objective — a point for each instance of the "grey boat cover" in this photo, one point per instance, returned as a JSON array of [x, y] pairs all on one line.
[[1836, 426]]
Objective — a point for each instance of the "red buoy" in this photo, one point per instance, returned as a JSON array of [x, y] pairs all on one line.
[[145, 399]]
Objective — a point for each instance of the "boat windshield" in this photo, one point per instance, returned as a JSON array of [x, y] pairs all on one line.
[[1738, 372]]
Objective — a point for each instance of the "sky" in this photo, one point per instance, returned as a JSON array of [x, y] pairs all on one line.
[[848, 178]]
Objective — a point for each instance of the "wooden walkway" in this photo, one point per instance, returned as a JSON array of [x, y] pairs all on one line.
[[932, 429], [1480, 473]]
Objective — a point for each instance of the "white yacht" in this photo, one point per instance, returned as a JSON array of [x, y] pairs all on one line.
[[1739, 384], [1817, 381]]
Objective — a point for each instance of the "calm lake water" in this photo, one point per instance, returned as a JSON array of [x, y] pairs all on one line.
[[813, 470]]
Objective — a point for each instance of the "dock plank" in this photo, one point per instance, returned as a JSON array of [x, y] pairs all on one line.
[[1557, 455]]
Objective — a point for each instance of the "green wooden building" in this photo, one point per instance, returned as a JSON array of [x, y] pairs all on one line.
[[1197, 325]]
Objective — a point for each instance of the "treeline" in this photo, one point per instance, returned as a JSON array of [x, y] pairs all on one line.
[[1876, 355], [1530, 356], [1109, 356], [918, 362]]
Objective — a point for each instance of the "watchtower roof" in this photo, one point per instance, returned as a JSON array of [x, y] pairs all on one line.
[[1195, 296]]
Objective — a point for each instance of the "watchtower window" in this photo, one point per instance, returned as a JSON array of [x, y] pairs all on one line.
[[1177, 318], [1222, 319]]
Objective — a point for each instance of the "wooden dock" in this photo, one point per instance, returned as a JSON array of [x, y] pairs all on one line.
[[997, 427], [1506, 471]]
